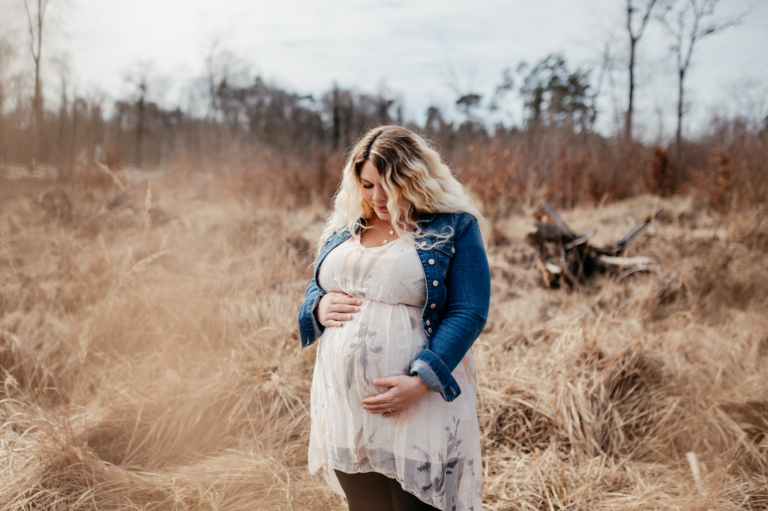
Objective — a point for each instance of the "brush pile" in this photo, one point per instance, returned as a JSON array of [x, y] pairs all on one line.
[[565, 257]]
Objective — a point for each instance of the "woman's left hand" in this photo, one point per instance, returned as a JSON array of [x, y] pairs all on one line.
[[403, 392]]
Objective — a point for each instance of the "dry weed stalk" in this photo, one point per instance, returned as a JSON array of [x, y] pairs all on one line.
[[723, 181], [138, 268], [662, 181], [147, 206], [5, 238], [83, 342], [114, 177], [10, 382]]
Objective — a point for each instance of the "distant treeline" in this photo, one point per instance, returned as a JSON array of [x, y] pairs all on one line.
[[246, 126], [139, 132], [554, 154]]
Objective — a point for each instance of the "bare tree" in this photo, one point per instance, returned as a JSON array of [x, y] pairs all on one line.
[[749, 95], [147, 82], [507, 85], [65, 153], [7, 56], [467, 99], [635, 33], [686, 23], [36, 23], [607, 59], [222, 68]]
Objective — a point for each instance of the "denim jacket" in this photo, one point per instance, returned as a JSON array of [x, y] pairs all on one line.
[[458, 295]]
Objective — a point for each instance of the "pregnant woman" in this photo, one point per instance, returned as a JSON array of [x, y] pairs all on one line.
[[400, 292]]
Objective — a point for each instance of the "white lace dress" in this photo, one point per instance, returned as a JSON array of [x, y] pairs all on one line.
[[433, 447]]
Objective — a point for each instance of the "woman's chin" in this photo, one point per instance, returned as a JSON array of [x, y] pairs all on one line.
[[382, 215]]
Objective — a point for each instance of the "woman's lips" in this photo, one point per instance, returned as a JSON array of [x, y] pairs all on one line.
[[382, 209]]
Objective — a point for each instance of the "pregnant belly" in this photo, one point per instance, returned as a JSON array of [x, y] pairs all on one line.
[[380, 340]]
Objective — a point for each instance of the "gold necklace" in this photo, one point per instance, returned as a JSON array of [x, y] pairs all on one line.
[[391, 232]]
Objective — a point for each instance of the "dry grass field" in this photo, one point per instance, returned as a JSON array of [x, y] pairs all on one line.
[[150, 357]]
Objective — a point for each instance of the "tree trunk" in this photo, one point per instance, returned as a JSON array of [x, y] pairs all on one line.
[[37, 102], [139, 130], [336, 129], [679, 136], [39, 134], [630, 109]]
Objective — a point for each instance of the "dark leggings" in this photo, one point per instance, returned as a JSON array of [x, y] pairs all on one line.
[[371, 491]]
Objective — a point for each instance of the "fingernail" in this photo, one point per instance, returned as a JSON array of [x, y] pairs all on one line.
[[359, 302], [349, 316], [357, 309]]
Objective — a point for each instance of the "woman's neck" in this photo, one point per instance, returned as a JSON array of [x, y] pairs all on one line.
[[375, 221]]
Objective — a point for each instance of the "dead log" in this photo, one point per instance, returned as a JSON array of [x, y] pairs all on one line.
[[565, 257], [619, 246], [547, 214]]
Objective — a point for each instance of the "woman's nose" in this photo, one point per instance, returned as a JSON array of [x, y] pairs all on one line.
[[379, 195]]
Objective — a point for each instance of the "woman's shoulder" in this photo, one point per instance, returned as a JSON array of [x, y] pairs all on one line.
[[456, 220], [447, 227], [335, 238]]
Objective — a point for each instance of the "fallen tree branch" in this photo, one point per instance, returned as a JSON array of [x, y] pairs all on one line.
[[569, 258]]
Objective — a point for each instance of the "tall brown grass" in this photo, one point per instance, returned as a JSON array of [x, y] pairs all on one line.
[[150, 357]]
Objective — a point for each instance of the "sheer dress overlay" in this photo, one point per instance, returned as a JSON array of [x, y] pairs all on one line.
[[433, 448]]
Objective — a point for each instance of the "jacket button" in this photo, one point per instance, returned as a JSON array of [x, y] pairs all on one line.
[[434, 283], [431, 261], [423, 243], [427, 322], [432, 306], [453, 250], [429, 330]]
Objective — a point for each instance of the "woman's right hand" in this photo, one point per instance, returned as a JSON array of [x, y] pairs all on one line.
[[334, 308]]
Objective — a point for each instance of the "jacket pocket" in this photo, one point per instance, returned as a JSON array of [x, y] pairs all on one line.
[[444, 253]]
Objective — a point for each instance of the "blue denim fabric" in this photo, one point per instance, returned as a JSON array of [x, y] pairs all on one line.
[[458, 295]]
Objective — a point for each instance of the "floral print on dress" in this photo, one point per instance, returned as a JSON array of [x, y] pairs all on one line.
[[432, 448]]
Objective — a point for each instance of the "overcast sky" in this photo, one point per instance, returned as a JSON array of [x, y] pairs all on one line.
[[422, 50]]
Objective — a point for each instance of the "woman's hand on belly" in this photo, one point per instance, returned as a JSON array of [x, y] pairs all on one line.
[[334, 308], [403, 392]]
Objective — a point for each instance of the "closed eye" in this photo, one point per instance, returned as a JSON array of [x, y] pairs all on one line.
[[367, 186]]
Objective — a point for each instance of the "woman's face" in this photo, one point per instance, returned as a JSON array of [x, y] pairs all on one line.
[[373, 193]]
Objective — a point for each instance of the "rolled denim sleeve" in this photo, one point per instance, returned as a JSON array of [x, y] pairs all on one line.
[[468, 296], [427, 375], [309, 329]]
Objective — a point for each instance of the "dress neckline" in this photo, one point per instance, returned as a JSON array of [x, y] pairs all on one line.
[[385, 245]]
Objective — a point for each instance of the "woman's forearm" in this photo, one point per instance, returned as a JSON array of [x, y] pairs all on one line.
[[468, 292], [309, 327]]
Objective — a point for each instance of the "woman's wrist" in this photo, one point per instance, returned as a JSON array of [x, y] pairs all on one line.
[[427, 375], [422, 387]]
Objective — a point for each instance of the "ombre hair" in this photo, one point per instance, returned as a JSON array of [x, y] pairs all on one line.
[[414, 178]]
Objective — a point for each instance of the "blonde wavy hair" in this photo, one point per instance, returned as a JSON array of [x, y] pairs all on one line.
[[414, 178]]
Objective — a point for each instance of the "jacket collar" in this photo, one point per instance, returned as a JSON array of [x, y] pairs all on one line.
[[425, 217]]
